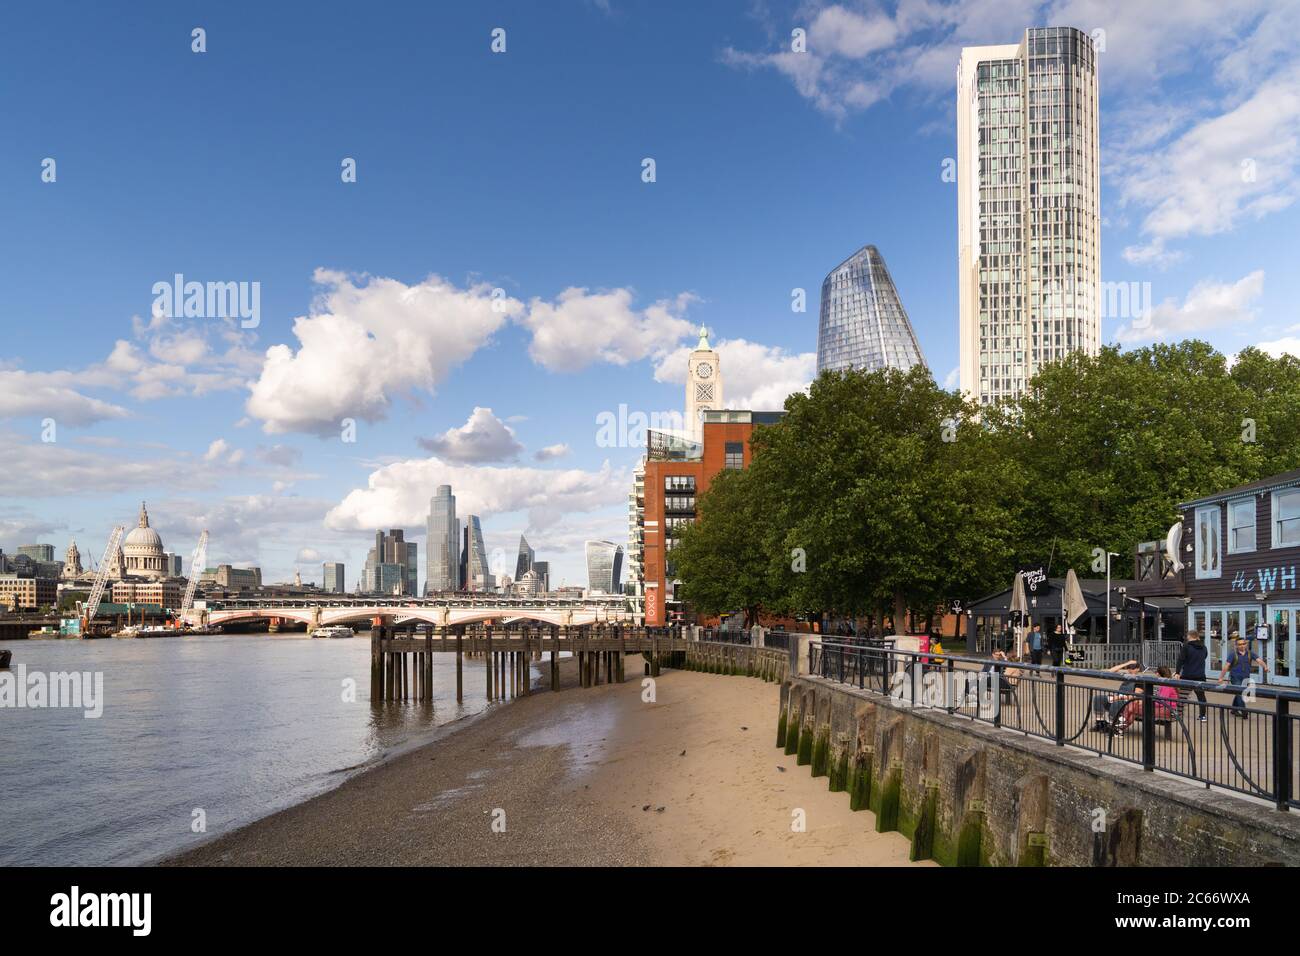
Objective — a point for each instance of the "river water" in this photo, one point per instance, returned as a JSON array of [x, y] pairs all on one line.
[[235, 726]]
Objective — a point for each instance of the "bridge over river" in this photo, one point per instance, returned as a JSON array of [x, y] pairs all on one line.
[[436, 612]]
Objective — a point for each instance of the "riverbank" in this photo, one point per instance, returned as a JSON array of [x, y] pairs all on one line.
[[594, 777]]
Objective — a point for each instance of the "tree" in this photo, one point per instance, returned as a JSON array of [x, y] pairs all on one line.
[[891, 490], [1112, 443], [720, 559]]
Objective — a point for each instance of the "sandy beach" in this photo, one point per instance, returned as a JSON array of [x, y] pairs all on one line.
[[582, 777]]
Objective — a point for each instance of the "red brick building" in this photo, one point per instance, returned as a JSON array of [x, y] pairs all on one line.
[[677, 471]]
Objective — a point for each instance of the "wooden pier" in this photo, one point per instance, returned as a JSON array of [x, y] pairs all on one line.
[[401, 655]]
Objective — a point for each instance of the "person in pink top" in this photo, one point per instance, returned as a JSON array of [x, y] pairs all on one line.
[[1166, 703]]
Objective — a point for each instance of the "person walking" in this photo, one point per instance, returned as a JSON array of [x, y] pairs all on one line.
[[1241, 664], [1191, 666], [1035, 644], [1056, 645]]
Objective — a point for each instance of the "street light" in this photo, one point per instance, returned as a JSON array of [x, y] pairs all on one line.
[[1109, 555]]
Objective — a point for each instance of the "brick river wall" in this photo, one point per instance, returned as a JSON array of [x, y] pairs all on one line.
[[969, 794]]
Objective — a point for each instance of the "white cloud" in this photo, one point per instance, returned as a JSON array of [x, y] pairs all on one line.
[[754, 376], [307, 556], [551, 452], [1287, 345], [51, 395], [582, 327], [284, 456], [66, 470], [952, 379], [397, 494], [1208, 305], [363, 344], [1238, 165], [483, 438], [858, 53]]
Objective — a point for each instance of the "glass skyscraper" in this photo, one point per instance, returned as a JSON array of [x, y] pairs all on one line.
[[443, 560], [863, 324], [474, 558], [604, 566], [1028, 209], [524, 564]]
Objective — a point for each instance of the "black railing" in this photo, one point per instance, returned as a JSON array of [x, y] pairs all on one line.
[[720, 635], [1247, 746]]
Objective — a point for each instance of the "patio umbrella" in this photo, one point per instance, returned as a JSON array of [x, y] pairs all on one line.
[[1019, 603], [1073, 605]]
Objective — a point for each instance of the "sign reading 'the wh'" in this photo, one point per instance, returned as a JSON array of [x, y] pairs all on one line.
[[1280, 578]]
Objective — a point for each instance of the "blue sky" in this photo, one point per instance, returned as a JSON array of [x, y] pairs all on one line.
[[522, 172]]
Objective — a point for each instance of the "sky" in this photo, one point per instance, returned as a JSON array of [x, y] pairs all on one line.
[[461, 264]]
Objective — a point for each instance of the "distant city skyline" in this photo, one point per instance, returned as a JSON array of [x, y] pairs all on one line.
[[462, 315]]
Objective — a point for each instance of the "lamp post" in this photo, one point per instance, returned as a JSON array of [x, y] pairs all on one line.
[[1109, 555]]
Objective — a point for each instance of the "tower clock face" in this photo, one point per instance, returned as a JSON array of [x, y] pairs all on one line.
[[704, 370]]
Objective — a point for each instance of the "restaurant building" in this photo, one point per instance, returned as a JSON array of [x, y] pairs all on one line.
[[1233, 561]]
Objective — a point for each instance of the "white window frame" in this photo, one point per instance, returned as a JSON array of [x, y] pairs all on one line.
[[1274, 520], [1254, 524], [1208, 572]]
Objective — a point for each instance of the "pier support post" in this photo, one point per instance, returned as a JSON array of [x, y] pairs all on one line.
[[555, 657], [489, 665], [376, 667], [460, 666]]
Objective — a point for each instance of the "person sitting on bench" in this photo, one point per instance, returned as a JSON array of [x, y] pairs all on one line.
[[1166, 704], [1108, 706]]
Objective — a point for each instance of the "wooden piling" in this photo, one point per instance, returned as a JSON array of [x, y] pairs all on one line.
[[460, 663], [489, 664]]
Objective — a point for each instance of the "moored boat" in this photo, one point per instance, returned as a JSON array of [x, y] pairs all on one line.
[[333, 630]]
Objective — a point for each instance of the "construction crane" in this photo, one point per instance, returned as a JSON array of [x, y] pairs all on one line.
[[101, 577], [199, 559]]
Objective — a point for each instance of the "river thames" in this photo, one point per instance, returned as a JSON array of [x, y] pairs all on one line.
[[235, 726]]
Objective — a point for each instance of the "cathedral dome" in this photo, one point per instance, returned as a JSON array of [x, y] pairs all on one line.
[[143, 550]]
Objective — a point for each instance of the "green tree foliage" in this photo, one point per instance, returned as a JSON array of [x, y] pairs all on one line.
[[1113, 443], [883, 492], [721, 555]]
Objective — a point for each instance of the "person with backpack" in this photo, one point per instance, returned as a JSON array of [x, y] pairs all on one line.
[[1241, 665], [1191, 665]]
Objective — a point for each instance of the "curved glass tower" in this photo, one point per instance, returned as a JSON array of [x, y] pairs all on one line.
[[863, 324]]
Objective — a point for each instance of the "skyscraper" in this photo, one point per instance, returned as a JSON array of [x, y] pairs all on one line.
[[1028, 218], [333, 578], [525, 562], [863, 323], [443, 543], [604, 566], [474, 559], [392, 566], [543, 569]]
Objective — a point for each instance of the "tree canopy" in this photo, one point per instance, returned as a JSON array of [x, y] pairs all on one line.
[[881, 491]]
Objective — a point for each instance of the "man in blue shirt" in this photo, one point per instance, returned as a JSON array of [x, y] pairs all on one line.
[[1241, 663], [1035, 642]]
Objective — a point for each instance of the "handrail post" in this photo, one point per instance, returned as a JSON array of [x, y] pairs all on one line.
[[861, 678], [1148, 726], [1282, 766], [950, 690], [996, 692], [1060, 707]]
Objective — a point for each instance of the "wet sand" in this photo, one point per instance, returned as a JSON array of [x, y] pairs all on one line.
[[571, 776]]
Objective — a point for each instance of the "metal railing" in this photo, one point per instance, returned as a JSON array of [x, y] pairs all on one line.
[[1148, 653], [1160, 724], [719, 635]]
